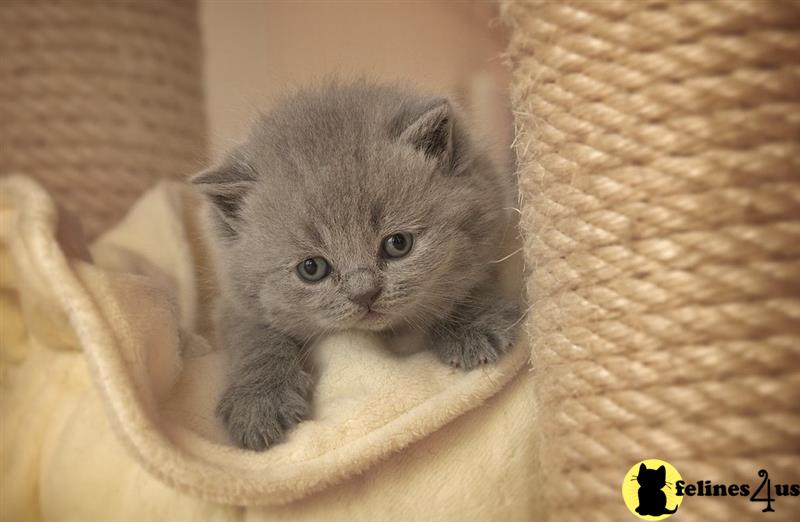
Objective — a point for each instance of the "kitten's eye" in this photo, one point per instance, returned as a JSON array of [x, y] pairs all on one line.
[[398, 245], [313, 269]]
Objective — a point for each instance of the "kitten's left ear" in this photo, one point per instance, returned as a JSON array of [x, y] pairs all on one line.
[[662, 471], [432, 133], [225, 186]]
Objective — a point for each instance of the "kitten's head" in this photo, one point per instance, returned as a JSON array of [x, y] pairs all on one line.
[[651, 478], [354, 206]]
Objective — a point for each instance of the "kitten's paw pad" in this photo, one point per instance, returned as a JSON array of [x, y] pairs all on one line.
[[258, 417], [471, 345], [468, 352]]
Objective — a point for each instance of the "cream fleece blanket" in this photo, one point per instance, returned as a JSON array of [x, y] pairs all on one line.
[[109, 385]]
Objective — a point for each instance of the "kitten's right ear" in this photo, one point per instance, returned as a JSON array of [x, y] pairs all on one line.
[[642, 468], [430, 128], [225, 186], [431, 132]]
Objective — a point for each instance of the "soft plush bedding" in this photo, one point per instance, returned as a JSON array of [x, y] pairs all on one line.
[[111, 374]]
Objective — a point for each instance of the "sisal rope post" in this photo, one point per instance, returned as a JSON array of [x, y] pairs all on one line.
[[99, 100], [659, 160]]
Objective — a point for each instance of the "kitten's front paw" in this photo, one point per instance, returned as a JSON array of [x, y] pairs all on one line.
[[481, 341], [257, 417]]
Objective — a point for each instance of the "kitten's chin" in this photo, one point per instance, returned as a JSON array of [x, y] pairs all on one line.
[[374, 321]]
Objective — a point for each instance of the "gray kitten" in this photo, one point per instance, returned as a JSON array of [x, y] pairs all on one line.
[[353, 206]]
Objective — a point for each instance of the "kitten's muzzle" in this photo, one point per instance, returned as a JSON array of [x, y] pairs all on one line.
[[367, 298], [362, 287]]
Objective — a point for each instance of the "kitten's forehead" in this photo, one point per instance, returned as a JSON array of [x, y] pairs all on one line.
[[337, 123], [342, 206], [337, 164], [333, 167], [343, 132]]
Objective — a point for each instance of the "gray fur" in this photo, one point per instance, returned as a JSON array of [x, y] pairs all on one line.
[[331, 172]]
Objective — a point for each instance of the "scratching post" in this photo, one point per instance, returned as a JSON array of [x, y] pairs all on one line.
[[99, 99], [659, 161]]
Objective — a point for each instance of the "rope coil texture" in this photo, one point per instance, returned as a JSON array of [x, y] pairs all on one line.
[[659, 161], [99, 100]]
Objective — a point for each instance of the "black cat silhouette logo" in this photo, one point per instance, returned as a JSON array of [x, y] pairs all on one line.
[[649, 489]]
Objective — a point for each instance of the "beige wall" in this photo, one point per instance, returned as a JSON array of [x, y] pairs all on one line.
[[257, 49]]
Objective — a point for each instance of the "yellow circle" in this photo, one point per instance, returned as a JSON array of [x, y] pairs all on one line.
[[649, 491]]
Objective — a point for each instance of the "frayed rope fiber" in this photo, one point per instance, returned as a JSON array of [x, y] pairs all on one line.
[[100, 99], [659, 162]]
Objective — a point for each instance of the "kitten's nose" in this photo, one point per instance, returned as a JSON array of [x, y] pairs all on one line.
[[366, 297], [363, 287]]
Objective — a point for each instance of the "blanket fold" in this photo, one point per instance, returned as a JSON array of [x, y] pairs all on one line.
[[118, 341]]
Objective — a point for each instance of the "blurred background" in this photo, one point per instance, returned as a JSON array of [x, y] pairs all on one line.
[[256, 50], [99, 100]]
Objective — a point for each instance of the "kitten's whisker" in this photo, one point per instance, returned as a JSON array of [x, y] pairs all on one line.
[[304, 352], [515, 252], [460, 313], [521, 317], [412, 324], [488, 376], [469, 304]]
